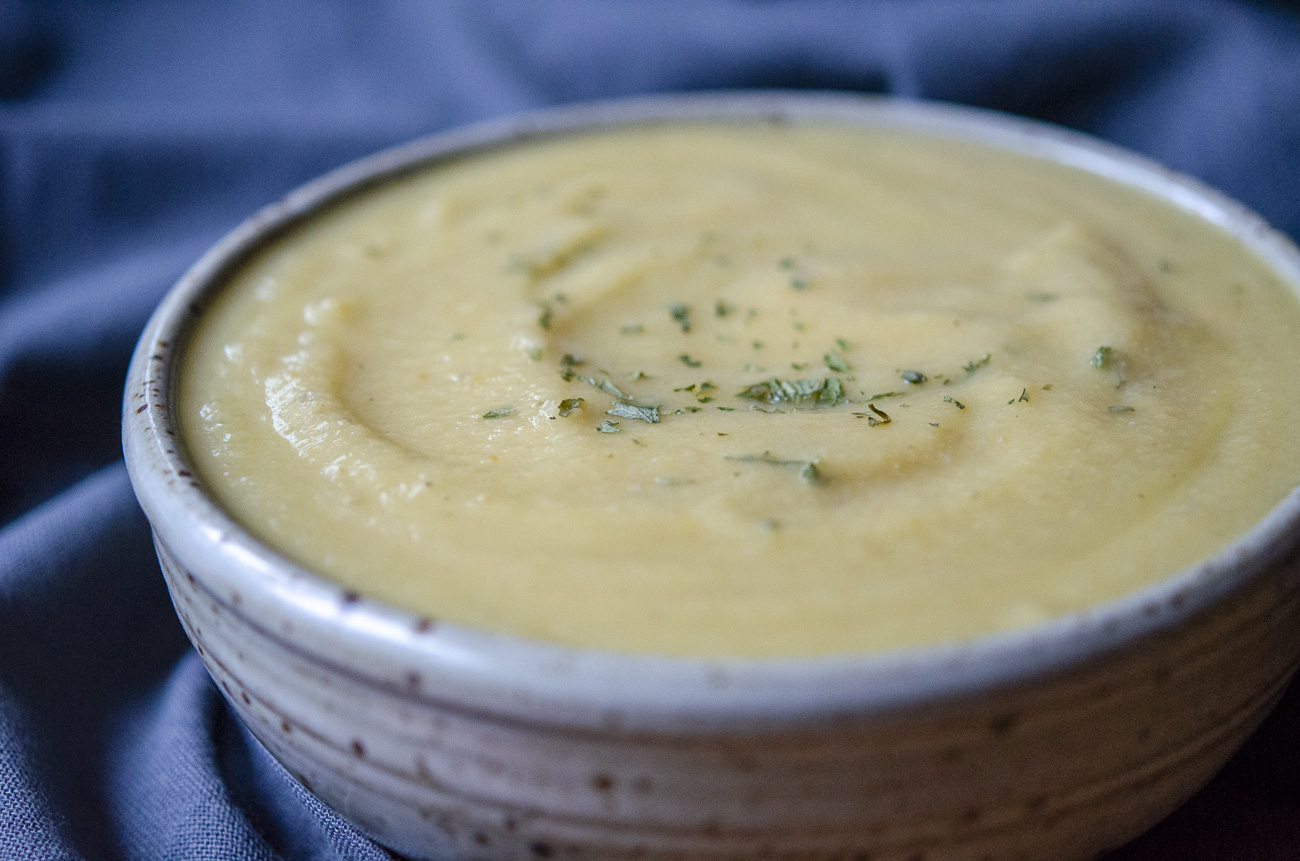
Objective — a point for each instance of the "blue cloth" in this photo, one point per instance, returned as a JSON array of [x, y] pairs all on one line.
[[133, 134]]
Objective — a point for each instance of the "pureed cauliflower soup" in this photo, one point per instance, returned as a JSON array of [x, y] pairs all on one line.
[[747, 389]]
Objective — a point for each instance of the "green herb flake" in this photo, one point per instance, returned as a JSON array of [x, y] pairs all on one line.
[[638, 375], [799, 283], [569, 405], [544, 318], [693, 409], [727, 409], [806, 469], [876, 417], [1120, 409], [603, 385], [1102, 358], [704, 399], [723, 309], [1042, 297], [635, 329], [499, 413], [950, 400], [883, 395], [836, 363], [933, 424], [1024, 395], [914, 378], [786, 263], [842, 344], [798, 366], [686, 360], [776, 391], [609, 427], [535, 353], [832, 393], [975, 364], [681, 313]]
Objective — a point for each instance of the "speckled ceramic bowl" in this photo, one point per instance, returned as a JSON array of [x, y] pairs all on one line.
[[1056, 742]]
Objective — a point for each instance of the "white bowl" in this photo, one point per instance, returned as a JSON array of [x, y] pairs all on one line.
[[1055, 742]]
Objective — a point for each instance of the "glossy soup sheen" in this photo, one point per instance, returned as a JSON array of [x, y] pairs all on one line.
[[748, 390]]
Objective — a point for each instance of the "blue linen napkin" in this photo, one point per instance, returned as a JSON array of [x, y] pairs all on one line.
[[133, 134]]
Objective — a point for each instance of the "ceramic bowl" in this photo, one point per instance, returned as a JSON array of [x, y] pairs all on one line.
[[1055, 742]]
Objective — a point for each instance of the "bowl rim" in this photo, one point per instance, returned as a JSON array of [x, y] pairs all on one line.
[[513, 678]]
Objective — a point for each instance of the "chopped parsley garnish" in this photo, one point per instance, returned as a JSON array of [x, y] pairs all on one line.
[[832, 393], [499, 413], [609, 427], [1120, 409], [799, 283], [625, 410], [535, 353], [836, 363], [975, 364], [950, 400], [821, 390], [544, 318], [786, 262], [635, 329], [568, 405], [1101, 358], [638, 375], [681, 312], [842, 344], [915, 378], [686, 360], [807, 469], [883, 395], [722, 309], [569, 360], [1024, 395], [603, 385], [880, 418]]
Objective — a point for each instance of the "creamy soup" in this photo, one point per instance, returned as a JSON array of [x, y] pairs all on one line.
[[748, 390]]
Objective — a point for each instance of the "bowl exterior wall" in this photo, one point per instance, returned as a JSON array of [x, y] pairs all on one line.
[[1061, 767]]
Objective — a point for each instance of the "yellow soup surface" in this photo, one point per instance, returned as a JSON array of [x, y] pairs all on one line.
[[739, 389]]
